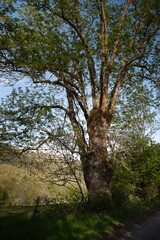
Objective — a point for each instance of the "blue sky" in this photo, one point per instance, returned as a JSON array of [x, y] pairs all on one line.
[[6, 90]]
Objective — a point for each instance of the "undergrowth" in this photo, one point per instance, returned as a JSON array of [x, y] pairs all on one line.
[[63, 221]]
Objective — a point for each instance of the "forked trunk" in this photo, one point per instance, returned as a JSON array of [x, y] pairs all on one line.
[[98, 169]]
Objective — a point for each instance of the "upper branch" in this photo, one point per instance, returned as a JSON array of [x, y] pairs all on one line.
[[91, 64], [69, 87], [119, 33], [113, 98], [78, 28], [104, 63], [136, 55]]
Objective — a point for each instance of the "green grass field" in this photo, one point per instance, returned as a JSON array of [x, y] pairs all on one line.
[[55, 223]]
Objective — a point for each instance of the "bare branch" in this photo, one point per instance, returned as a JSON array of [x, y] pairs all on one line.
[[70, 87], [75, 124]]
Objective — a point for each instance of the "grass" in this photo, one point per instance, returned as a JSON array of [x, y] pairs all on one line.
[[55, 223]]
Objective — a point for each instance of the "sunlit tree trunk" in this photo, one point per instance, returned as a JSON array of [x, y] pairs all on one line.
[[98, 169]]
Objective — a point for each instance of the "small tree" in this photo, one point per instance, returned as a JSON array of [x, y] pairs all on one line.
[[88, 52]]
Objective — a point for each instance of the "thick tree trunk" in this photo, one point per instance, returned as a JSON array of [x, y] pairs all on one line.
[[97, 166]]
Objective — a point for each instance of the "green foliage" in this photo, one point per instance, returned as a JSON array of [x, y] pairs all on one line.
[[136, 176], [100, 203], [148, 166], [18, 188], [53, 223], [123, 193], [44, 39], [73, 194], [68, 194], [123, 185]]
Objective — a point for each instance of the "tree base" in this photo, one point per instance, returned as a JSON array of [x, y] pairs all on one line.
[[100, 203]]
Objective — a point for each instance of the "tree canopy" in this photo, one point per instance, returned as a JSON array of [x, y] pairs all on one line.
[[88, 54]]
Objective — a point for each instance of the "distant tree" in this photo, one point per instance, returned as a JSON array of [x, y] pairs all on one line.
[[134, 121], [88, 53]]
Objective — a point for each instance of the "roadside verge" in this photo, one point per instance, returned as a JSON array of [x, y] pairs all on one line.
[[126, 225]]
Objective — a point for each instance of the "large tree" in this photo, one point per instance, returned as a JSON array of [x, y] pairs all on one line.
[[89, 53]]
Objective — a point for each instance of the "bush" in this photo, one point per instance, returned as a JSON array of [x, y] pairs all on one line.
[[123, 193], [100, 203]]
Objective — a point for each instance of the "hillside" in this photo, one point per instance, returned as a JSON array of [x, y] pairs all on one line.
[[35, 173]]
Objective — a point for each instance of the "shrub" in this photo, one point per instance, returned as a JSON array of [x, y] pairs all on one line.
[[123, 193]]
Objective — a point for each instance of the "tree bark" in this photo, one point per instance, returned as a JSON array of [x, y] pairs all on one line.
[[97, 166]]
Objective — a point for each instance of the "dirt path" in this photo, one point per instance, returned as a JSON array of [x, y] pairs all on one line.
[[142, 227]]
